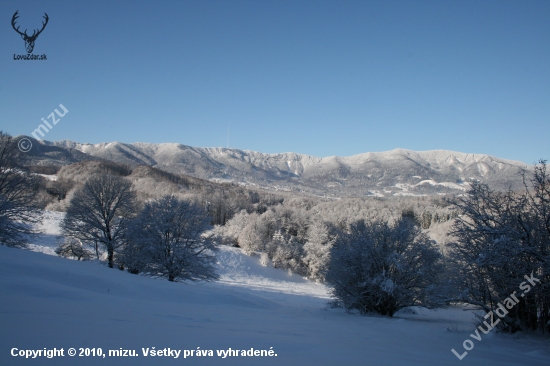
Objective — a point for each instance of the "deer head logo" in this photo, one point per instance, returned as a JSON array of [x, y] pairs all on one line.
[[29, 40]]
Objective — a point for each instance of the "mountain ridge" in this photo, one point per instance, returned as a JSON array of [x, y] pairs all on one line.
[[388, 173]]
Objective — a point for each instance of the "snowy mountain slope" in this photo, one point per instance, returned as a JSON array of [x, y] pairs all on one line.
[[395, 172], [234, 267], [49, 302]]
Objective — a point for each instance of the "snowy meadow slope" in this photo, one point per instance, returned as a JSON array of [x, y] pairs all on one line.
[[49, 302]]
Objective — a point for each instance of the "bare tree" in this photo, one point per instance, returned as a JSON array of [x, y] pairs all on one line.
[[18, 189], [100, 212], [169, 235]]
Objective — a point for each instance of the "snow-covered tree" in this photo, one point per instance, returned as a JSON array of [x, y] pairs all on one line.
[[100, 212], [17, 195], [501, 238], [234, 227], [251, 238], [72, 248], [287, 254], [171, 243], [317, 249], [381, 267]]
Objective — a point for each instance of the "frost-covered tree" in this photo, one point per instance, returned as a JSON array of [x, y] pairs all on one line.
[[292, 222], [233, 228], [170, 241], [100, 212], [501, 238], [317, 250], [287, 254], [297, 233], [252, 237], [72, 248], [18, 188], [380, 267]]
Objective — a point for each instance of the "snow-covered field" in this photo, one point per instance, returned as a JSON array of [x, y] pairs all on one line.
[[50, 302]]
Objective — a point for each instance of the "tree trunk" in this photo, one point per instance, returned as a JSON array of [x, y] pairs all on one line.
[[110, 256]]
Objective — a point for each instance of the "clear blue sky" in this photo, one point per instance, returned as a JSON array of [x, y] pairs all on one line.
[[315, 77]]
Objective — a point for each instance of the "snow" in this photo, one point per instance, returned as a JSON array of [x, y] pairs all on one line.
[[483, 169], [237, 269], [47, 241], [49, 176], [49, 302], [456, 186], [408, 194]]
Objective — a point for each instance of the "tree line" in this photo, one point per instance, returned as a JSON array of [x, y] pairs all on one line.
[[162, 238]]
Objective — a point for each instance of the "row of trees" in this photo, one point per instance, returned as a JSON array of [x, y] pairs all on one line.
[[163, 238], [499, 258], [291, 237], [221, 201], [379, 259], [298, 234]]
